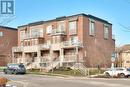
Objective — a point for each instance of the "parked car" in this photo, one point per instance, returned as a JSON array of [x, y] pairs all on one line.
[[118, 72], [18, 68]]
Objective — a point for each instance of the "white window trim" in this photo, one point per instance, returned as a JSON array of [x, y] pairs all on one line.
[[90, 27], [106, 35], [74, 27], [1, 34], [60, 23], [49, 29]]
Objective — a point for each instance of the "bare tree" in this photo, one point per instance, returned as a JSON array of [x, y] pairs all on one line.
[[5, 19]]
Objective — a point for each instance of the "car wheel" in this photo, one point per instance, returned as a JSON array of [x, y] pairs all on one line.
[[5, 72], [15, 72], [122, 75], [107, 75], [128, 76]]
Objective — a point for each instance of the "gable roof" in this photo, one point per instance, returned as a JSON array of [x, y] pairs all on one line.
[[123, 48]]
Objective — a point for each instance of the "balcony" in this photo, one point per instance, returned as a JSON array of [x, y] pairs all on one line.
[[35, 35], [73, 32], [45, 59], [58, 32], [44, 46], [73, 58], [68, 44], [33, 48], [56, 46], [17, 49], [69, 58]]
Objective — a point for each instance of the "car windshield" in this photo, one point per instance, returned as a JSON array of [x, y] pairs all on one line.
[[15, 65], [12, 65], [21, 66]]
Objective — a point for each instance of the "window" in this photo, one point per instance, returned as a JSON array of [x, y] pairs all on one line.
[[37, 33], [72, 27], [61, 26], [49, 29], [1, 34], [28, 43], [74, 40], [92, 28], [56, 39], [22, 35], [106, 31], [21, 43]]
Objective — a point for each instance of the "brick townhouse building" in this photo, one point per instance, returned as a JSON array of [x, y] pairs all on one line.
[[64, 41], [8, 39], [123, 56]]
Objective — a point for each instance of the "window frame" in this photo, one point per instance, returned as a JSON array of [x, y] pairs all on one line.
[[92, 31], [106, 31], [49, 29], [1, 34], [61, 26], [73, 26]]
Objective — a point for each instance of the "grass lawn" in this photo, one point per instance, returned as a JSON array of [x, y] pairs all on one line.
[[66, 72], [1, 69]]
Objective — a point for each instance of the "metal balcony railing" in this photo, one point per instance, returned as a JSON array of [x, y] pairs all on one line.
[[58, 32], [35, 35], [17, 49], [44, 46], [73, 58], [70, 43], [69, 58], [45, 59]]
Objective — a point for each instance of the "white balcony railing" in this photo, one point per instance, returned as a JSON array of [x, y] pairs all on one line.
[[58, 32], [17, 49], [70, 44], [35, 35], [38, 34], [33, 48], [44, 46], [45, 59], [69, 58], [73, 58]]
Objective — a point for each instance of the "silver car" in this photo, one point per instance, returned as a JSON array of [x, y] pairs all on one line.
[[18, 68]]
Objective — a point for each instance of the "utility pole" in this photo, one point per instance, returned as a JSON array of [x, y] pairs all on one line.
[[113, 56]]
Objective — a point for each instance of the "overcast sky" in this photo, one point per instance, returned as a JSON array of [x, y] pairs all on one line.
[[116, 12]]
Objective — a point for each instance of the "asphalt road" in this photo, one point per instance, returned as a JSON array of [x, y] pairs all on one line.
[[30, 80]]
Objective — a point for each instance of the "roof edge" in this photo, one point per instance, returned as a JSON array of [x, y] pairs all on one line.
[[6, 27]]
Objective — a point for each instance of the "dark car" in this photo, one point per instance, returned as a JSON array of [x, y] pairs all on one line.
[[15, 69]]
